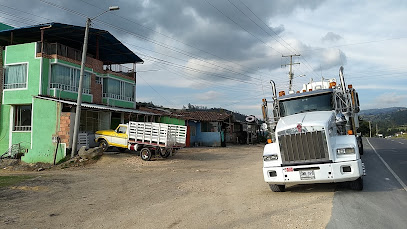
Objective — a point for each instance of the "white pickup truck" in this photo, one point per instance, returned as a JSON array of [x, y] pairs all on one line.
[[152, 138]]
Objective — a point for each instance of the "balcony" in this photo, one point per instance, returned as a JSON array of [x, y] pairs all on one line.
[[76, 55]]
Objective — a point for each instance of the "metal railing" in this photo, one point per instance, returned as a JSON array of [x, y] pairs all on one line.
[[69, 88], [118, 97], [22, 128], [14, 85], [60, 49]]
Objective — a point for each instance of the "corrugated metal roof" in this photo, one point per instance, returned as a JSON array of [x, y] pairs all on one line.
[[97, 106]]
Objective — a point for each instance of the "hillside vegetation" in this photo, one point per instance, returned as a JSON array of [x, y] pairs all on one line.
[[388, 121]]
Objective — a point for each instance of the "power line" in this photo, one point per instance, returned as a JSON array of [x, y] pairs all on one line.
[[242, 27]]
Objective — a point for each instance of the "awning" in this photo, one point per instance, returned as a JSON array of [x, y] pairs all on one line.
[[98, 106]]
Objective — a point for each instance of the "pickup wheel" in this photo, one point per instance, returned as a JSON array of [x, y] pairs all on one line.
[[277, 188], [145, 154], [103, 144], [357, 184]]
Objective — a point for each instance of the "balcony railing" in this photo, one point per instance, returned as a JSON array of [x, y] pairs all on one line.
[[118, 97], [22, 128], [61, 50], [69, 88], [14, 85]]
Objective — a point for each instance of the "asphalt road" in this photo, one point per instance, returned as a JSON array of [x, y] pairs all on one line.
[[383, 202]]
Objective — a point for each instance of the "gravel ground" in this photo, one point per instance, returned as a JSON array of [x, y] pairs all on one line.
[[196, 188]]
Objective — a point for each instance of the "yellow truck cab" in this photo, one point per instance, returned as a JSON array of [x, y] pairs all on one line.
[[118, 137]]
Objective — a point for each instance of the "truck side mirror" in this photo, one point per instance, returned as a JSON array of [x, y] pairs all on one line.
[[340, 119]]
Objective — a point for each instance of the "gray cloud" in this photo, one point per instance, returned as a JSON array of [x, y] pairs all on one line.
[[331, 37]]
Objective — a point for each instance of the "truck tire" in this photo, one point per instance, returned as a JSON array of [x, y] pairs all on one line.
[[145, 154], [277, 188], [103, 144], [357, 184], [360, 145], [164, 153]]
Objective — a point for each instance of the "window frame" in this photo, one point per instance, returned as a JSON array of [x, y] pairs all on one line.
[[72, 82], [26, 76], [20, 127]]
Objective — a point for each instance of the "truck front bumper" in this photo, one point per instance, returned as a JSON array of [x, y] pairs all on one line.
[[315, 173]]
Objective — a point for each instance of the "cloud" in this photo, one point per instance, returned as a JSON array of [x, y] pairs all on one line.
[[390, 99], [331, 37], [209, 95]]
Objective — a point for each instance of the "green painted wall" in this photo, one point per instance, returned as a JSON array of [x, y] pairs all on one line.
[[45, 76], [174, 121], [22, 138], [4, 128], [44, 126], [120, 78], [18, 54], [69, 95], [118, 103]]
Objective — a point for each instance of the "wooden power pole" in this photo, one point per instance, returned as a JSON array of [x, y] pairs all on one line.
[[290, 74]]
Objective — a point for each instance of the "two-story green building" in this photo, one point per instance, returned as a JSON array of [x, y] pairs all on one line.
[[40, 68]]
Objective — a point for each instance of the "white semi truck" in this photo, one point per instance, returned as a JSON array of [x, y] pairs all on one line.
[[313, 136]]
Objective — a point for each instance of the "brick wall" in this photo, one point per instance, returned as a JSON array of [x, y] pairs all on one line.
[[96, 90], [64, 128]]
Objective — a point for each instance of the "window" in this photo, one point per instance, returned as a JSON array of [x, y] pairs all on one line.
[[22, 118], [117, 89], [98, 80], [15, 76], [67, 78], [121, 129], [208, 127]]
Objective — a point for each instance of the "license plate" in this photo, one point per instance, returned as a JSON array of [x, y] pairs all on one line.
[[307, 175]]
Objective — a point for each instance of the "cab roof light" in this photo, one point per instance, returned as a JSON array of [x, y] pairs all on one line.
[[332, 84], [269, 141], [350, 132], [281, 93], [350, 86]]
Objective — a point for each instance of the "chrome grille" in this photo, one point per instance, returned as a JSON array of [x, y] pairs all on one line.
[[300, 148]]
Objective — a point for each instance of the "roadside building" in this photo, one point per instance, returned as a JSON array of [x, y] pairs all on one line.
[[40, 68]]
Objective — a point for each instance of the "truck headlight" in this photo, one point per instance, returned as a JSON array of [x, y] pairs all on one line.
[[343, 151], [271, 157]]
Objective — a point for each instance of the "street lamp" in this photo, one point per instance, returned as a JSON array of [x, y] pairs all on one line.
[[79, 100]]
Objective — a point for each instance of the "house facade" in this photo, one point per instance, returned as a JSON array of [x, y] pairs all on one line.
[[40, 68]]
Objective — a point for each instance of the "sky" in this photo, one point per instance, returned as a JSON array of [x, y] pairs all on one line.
[[223, 53]]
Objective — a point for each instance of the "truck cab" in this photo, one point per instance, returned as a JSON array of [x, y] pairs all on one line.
[[118, 137], [313, 138]]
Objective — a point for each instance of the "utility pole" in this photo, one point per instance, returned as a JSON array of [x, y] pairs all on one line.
[[79, 99], [370, 128], [377, 131], [290, 74]]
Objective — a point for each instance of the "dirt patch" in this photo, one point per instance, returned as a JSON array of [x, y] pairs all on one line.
[[197, 188]]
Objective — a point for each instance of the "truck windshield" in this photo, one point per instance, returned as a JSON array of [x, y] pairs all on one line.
[[306, 104]]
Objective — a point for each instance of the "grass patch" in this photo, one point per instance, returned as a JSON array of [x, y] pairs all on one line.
[[11, 180]]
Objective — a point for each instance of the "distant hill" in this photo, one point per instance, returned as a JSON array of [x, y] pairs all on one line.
[[381, 111], [387, 117]]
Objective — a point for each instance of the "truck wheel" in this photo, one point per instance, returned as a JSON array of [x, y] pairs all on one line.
[[360, 145], [145, 154], [277, 188], [103, 144], [165, 153], [356, 184]]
